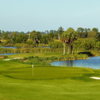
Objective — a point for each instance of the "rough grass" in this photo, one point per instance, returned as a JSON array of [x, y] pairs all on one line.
[[36, 54]]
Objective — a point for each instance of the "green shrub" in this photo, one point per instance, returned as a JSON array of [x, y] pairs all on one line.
[[56, 44]]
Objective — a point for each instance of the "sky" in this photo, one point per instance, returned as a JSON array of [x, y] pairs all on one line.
[[41, 15]]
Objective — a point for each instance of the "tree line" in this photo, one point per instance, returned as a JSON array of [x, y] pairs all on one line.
[[36, 37]]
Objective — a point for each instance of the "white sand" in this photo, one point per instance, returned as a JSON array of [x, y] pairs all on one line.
[[17, 58], [12, 58], [6, 59], [97, 78]]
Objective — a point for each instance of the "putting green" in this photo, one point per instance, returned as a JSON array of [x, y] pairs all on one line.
[[45, 72]]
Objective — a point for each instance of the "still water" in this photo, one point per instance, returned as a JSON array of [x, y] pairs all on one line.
[[42, 47], [7, 47], [15, 47], [92, 62], [8, 53]]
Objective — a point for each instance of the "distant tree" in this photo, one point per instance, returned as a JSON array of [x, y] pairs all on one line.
[[79, 31], [21, 38], [83, 35], [35, 36], [98, 45], [98, 37], [60, 31], [51, 31], [8, 42], [51, 35], [3, 32], [86, 30], [13, 36], [0, 34], [55, 36], [89, 29], [92, 34], [90, 44], [22, 32], [54, 31], [6, 36], [46, 39], [95, 29]]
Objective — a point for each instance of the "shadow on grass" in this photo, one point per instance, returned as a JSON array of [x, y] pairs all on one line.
[[33, 78], [87, 53], [10, 77], [84, 78]]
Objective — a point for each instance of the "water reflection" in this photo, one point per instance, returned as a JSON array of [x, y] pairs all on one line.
[[92, 62]]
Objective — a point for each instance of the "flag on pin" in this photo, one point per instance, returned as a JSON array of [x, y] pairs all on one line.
[[32, 65]]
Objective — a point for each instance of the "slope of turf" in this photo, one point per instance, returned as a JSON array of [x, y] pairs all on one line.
[[56, 89], [45, 72], [17, 82]]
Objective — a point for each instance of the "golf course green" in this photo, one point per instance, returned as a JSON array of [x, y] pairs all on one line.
[[19, 81]]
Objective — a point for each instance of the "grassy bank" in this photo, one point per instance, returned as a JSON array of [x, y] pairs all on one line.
[[49, 57]]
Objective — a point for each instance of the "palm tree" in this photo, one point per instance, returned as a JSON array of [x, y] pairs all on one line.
[[68, 38]]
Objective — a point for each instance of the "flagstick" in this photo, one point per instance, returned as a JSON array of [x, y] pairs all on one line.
[[32, 70]]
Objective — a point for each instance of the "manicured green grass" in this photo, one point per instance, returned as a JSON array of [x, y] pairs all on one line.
[[45, 73], [55, 89], [19, 82]]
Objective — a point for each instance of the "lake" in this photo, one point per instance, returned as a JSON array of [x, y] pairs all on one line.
[[8, 53], [92, 62], [7, 47], [42, 47], [15, 47]]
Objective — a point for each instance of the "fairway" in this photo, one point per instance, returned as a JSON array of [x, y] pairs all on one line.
[[20, 81]]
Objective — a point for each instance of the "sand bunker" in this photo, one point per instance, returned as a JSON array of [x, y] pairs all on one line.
[[18, 58], [7, 59], [12, 58], [97, 78]]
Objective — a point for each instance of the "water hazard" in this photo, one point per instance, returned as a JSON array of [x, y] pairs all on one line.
[[92, 62], [8, 53], [7, 47]]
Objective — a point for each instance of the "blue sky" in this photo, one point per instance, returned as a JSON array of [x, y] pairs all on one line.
[[41, 15]]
